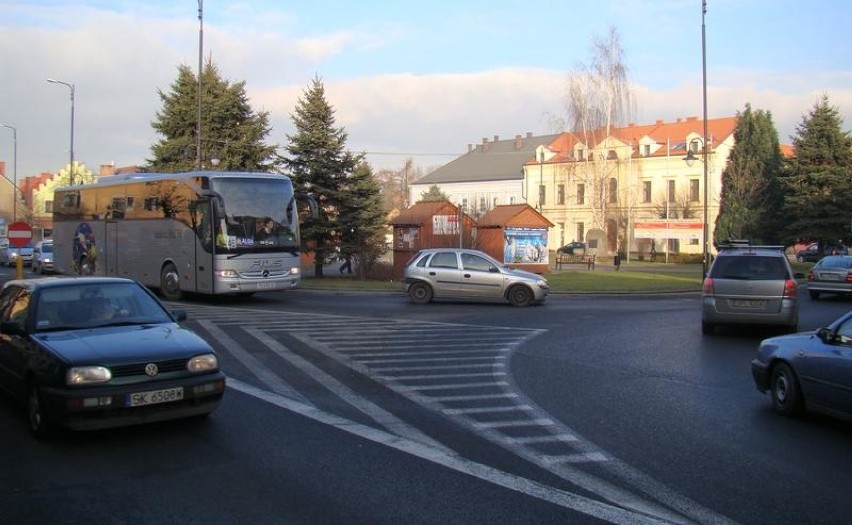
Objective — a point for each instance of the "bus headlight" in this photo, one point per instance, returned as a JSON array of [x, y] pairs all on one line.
[[227, 274], [295, 270]]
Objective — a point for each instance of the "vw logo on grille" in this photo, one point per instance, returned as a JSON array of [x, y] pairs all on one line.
[[265, 273], [151, 369]]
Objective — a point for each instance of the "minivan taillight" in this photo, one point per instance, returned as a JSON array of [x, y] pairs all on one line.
[[708, 287], [789, 288]]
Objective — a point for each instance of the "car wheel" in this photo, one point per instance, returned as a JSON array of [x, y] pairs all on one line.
[[520, 295], [39, 425], [814, 295], [420, 293], [707, 328], [786, 395], [170, 283]]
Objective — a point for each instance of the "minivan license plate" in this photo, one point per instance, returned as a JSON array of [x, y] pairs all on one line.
[[155, 397], [748, 303]]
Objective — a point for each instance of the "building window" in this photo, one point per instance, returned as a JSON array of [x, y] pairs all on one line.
[[581, 193], [494, 203], [581, 154], [693, 190], [512, 199], [646, 191], [612, 155], [482, 204], [464, 205], [646, 150], [560, 194], [670, 196], [581, 231], [613, 190], [541, 196]]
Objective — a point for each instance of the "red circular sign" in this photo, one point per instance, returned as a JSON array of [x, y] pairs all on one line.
[[19, 234]]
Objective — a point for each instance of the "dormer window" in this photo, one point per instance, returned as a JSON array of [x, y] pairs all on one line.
[[646, 150]]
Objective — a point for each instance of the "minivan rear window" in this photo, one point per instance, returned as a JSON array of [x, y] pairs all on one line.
[[749, 267]]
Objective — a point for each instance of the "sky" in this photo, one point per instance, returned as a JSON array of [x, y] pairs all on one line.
[[407, 80]]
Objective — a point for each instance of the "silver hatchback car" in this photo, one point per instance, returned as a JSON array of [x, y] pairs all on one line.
[[750, 285], [470, 274]]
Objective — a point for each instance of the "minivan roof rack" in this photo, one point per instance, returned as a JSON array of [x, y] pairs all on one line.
[[740, 244]]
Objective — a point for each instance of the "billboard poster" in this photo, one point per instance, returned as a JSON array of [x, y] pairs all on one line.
[[525, 246], [445, 224]]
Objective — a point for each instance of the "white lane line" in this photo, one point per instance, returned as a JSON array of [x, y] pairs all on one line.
[[474, 397], [405, 359], [394, 350], [378, 414], [564, 499], [550, 438], [386, 369], [275, 383], [588, 457], [487, 410], [453, 386], [440, 376]]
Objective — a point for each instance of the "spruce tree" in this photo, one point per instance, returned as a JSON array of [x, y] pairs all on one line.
[[434, 194], [232, 133], [319, 163], [818, 180], [362, 219], [751, 197]]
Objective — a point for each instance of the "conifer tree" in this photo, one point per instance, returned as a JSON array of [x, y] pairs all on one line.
[[319, 163], [362, 219], [232, 133], [751, 197], [818, 180], [434, 194]]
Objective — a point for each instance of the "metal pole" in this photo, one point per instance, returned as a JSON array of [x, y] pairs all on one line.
[[14, 171], [200, 65], [540, 178], [705, 265], [71, 161]]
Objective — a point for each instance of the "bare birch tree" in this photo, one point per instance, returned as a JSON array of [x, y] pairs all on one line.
[[598, 100]]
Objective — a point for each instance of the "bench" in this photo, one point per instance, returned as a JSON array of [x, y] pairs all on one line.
[[564, 259]]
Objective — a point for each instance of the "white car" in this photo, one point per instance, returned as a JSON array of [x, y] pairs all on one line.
[[471, 274], [43, 257]]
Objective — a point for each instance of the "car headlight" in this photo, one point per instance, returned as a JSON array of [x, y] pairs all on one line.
[[202, 363], [87, 375]]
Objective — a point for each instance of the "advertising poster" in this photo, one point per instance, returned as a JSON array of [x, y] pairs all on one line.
[[525, 246]]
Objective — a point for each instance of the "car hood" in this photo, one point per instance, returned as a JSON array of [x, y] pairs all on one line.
[[117, 345]]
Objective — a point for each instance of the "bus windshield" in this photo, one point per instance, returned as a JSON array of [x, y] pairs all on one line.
[[256, 215]]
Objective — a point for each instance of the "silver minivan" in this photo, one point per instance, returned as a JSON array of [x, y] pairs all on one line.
[[750, 285], [470, 274]]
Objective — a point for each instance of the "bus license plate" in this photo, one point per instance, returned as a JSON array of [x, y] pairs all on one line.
[[155, 397]]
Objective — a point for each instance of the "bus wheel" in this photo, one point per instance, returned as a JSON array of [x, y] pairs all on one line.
[[170, 283]]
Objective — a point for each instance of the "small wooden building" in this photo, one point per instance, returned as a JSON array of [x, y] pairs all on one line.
[[515, 234], [428, 224]]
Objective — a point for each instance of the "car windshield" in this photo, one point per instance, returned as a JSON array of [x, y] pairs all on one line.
[[749, 267], [92, 305]]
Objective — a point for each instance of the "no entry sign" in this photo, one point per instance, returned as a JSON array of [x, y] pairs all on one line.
[[19, 234]]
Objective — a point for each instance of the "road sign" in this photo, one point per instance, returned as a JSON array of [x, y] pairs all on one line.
[[19, 234]]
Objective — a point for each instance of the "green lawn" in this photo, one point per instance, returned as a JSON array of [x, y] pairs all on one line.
[[634, 277]]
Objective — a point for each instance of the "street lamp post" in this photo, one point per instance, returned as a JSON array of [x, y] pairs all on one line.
[[706, 258], [14, 171], [540, 180], [200, 55], [73, 89]]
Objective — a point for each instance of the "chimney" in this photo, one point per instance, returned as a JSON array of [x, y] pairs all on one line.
[[679, 119], [691, 119], [496, 138], [529, 134], [484, 144], [519, 142], [469, 148], [659, 121]]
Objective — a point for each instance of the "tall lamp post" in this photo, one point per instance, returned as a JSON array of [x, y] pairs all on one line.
[[200, 55], [706, 263], [14, 171], [540, 180], [73, 89]]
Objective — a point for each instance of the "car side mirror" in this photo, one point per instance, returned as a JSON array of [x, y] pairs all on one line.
[[826, 335], [493, 269], [12, 328], [179, 315]]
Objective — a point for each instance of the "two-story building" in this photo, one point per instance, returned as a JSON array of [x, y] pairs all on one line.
[[630, 189]]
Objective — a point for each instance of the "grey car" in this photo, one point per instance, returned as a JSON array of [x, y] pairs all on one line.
[[832, 274], [470, 274], [9, 255], [752, 285], [810, 370]]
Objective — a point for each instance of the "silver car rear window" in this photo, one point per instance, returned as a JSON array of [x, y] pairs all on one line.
[[749, 267]]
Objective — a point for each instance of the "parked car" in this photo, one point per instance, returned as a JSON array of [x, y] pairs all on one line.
[[813, 254], [750, 285], [810, 370], [573, 248], [455, 272], [96, 352], [9, 255], [42, 257], [831, 274]]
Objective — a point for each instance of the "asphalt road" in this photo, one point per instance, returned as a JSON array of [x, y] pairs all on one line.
[[351, 407]]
